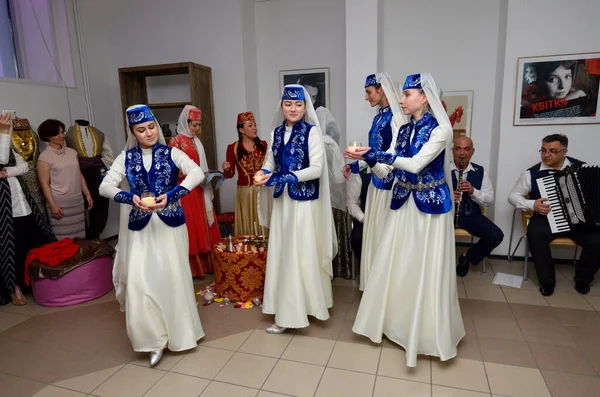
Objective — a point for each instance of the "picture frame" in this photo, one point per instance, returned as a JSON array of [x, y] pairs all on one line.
[[315, 80], [459, 107], [557, 89]]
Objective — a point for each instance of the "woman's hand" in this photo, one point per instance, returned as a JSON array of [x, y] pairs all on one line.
[[4, 123], [56, 212], [161, 202], [226, 166], [356, 154], [260, 178], [3, 173], [346, 171], [88, 198], [137, 201]]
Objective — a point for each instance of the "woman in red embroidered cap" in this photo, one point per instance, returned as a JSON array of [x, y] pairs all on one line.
[[247, 155], [203, 229]]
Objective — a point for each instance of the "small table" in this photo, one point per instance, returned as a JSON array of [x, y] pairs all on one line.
[[239, 275]]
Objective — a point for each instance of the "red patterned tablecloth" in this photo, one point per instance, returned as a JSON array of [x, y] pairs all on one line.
[[240, 275]]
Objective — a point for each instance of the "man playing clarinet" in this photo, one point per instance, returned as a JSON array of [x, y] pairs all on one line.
[[526, 196], [473, 192]]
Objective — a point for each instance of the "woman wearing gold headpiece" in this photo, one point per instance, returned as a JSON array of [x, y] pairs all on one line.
[[247, 154]]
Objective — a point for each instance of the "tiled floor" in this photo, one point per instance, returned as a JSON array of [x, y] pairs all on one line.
[[518, 344]]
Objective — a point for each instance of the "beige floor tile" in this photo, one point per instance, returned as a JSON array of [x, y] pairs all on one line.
[[355, 357], [264, 344], [389, 387], [130, 381], [585, 338], [231, 342], [524, 296], [329, 329], [475, 277], [504, 351], [53, 391], [497, 328], [344, 294], [484, 308], [8, 320], [344, 283], [297, 379], [167, 362], [393, 364], [263, 393], [508, 380], [48, 364], [485, 292], [246, 370], [178, 385], [337, 382], [225, 389], [14, 386], [560, 358], [578, 318], [205, 362], [309, 350], [550, 334], [459, 373], [441, 391], [594, 301], [90, 381], [468, 347], [460, 288], [570, 301], [571, 385]]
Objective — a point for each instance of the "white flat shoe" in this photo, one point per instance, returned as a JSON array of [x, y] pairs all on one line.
[[155, 357], [275, 329]]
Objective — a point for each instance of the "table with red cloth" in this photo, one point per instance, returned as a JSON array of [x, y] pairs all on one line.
[[239, 275]]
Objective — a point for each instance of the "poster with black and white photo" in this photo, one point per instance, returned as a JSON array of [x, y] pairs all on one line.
[[315, 80], [560, 89]]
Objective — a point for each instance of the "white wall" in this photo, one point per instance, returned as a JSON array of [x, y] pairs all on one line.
[[530, 36], [118, 33], [300, 35]]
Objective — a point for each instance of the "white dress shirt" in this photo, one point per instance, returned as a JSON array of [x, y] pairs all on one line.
[[484, 196], [20, 207], [353, 188], [523, 187], [88, 144]]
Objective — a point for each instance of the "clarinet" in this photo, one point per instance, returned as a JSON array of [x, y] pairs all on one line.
[[461, 167]]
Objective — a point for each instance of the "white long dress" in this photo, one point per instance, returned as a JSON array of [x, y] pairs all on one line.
[[298, 276], [157, 284], [411, 293]]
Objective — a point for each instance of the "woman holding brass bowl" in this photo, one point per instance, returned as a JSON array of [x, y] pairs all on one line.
[[151, 274]]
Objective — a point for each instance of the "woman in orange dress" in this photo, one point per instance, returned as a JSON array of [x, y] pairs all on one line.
[[247, 155], [201, 221]]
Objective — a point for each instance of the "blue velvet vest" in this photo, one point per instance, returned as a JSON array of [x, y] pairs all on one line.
[[380, 138], [536, 173], [161, 178], [435, 200], [293, 156], [475, 177]]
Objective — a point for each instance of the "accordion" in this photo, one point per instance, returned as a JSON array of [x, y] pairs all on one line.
[[574, 197]]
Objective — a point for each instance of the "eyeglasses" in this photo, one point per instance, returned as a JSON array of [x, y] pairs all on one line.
[[553, 152]]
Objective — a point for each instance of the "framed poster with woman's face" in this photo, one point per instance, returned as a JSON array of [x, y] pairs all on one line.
[[315, 80], [558, 89]]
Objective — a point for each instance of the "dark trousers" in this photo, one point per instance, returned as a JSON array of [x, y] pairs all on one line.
[[98, 215], [539, 237], [28, 236], [490, 236], [356, 238]]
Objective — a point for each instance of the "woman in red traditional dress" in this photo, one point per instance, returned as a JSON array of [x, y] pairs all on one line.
[[203, 229], [247, 154]]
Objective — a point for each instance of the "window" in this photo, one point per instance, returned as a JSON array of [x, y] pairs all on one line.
[[35, 41]]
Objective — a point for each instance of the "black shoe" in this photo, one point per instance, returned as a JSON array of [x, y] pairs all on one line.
[[547, 289], [582, 288], [462, 267]]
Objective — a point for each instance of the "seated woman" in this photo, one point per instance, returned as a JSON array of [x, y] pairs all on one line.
[[247, 155], [62, 182], [203, 229], [151, 274]]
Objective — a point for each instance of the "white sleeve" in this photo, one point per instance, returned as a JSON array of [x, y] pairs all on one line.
[[269, 161], [484, 196], [193, 173], [108, 156], [4, 148], [316, 157], [430, 150], [353, 188], [110, 183], [19, 169], [521, 189]]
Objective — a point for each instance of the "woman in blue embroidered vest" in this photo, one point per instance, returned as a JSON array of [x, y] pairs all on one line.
[[302, 241], [380, 91], [152, 275], [411, 292]]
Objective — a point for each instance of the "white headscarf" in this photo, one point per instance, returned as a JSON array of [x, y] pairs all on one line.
[[326, 226], [393, 95], [122, 248], [184, 129], [434, 97]]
